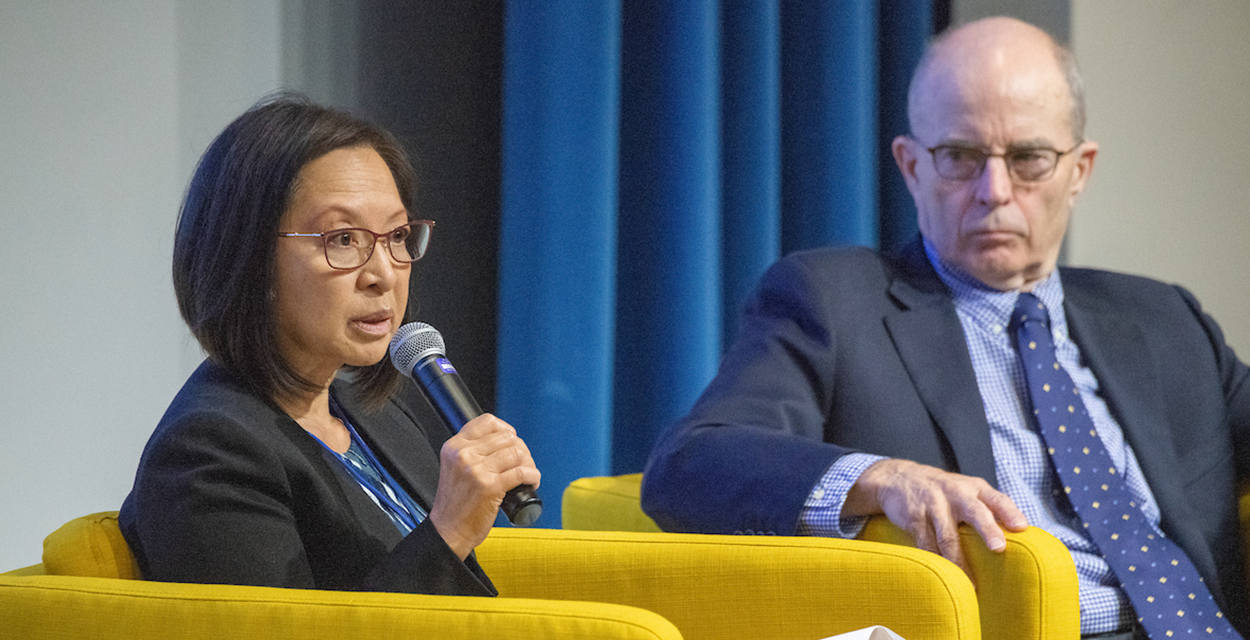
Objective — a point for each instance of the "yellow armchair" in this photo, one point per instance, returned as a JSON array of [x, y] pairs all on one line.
[[1027, 592], [717, 587], [86, 589], [646, 586]]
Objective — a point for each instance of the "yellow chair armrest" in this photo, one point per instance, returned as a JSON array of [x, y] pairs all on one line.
[[32, 570], [1028, 591], [72, 608], [741, 586]]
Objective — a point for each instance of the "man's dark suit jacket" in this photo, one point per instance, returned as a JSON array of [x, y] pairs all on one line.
[[231, 490], [843, 350]]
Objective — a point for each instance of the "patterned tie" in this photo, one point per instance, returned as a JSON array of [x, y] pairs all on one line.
[[1161, 582]]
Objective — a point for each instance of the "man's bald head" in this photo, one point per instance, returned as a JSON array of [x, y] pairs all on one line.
[[1001, 99], [981, 47]]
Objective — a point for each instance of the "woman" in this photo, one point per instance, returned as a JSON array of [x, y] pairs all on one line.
[[291, 265]]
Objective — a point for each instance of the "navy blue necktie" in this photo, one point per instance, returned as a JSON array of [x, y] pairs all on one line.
[[1162, 584]]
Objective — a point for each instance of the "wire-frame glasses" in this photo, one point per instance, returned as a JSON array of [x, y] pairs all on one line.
[[1032, 164], [351, 248]]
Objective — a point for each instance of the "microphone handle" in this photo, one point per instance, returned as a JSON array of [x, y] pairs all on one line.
[[451, 399]]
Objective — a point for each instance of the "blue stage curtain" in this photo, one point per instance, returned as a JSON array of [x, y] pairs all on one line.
[[557, 293], [828, 128], [750, 131], [668, 271], [658, 155], [904, 26]]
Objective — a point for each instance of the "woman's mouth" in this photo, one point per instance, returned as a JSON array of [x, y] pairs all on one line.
[[374, 324]]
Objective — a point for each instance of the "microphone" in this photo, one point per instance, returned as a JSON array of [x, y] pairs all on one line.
[[417, 351]]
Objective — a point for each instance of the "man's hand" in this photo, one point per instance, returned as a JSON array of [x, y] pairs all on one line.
[[477, 467], [929, 503]]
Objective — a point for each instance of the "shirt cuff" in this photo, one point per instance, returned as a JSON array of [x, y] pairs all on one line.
[[822, 513]]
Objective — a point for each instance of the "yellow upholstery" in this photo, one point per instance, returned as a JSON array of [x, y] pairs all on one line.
[[77, 593], [608, 503], [741, 586], [90, 546], [654, 585], [1029, 591], [68, 608], [1244, 507]]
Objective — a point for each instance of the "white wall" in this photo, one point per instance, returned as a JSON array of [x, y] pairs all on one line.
[[1168, 85], [104, 107], [1052, 16]]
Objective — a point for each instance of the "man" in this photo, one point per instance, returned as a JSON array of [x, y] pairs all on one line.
[[916, 385]]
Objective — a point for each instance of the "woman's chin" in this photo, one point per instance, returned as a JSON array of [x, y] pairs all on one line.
[[366, 357]]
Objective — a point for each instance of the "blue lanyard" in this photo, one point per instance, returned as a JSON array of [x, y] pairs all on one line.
[[404, 512]]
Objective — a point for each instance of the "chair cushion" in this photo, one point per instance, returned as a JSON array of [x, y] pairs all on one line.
[[91, 546]]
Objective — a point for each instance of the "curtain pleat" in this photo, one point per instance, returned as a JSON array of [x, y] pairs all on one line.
[[658, 155], [557, 294], [750, 150], [668, 271], [828, 124], [904, 27]]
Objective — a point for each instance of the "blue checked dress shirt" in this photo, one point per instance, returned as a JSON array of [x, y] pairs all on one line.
[[1020, 458]]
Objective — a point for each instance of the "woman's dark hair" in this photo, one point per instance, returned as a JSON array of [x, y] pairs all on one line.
[[225, 243]]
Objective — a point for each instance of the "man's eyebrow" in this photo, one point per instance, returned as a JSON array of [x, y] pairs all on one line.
[[961, 143], [1036, 143], [1017, 145]]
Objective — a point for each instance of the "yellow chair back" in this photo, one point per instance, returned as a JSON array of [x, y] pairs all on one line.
[[91, 546], [608, 503]]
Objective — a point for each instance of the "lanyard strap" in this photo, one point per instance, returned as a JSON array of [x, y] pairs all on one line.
[[386, 492]]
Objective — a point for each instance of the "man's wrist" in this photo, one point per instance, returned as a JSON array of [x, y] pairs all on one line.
[[822, 512]]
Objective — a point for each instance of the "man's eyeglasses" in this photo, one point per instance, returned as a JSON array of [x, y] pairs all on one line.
[[351, 248], [957, 162]]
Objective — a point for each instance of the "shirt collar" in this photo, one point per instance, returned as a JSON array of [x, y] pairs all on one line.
[[991, 308]]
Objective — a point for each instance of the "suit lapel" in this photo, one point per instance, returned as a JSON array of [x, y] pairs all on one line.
[[1116, 350], [337, 480], [388, 432], [930, 342]]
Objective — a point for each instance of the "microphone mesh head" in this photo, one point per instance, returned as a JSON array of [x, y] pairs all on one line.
[[412, 342]]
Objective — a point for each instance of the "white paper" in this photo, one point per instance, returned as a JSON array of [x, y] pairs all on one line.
[[871, 633]]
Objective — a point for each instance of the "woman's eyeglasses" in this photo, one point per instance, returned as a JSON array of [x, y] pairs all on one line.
[[351, 248]]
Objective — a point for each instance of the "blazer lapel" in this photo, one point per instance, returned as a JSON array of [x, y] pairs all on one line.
[[337, 480], [930, 341], [1117, 352], [401, 447]]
